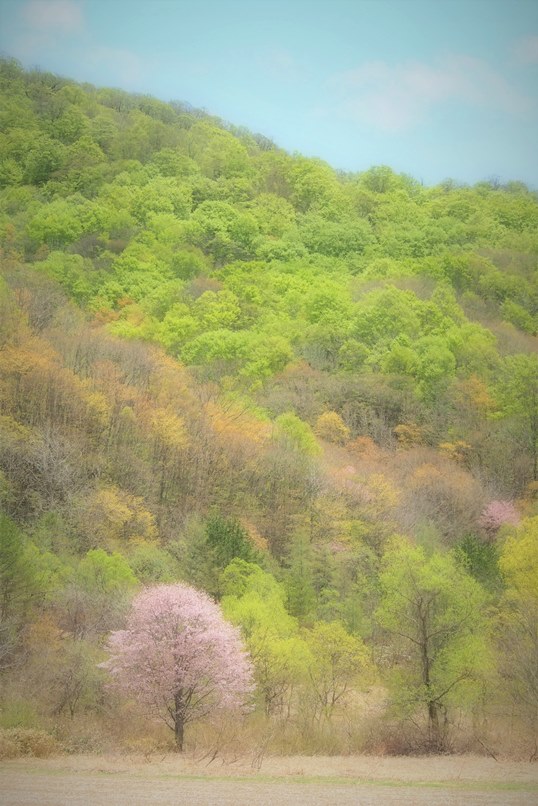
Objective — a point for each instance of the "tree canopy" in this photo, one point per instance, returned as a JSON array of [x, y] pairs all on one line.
[[236, 370], [179, 658]]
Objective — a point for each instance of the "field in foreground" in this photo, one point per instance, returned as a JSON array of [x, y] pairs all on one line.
[[299, 780]]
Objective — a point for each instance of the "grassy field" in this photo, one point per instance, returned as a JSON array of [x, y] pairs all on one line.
[[299, 780]]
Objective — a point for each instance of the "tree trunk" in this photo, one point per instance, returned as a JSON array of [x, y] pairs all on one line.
[[434, 734], [179, 722], [534, 443], [433, 720]]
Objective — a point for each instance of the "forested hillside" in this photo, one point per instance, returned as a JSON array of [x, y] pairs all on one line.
[[312, 395]]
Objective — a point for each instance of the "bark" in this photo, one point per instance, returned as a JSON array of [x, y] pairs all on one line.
[[179, 722], [433, 709]]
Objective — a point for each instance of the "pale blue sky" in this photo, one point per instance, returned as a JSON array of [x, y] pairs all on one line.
[[438, 88]]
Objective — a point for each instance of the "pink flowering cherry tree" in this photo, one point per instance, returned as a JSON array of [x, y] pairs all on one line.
[[179, 658], [497, 514]]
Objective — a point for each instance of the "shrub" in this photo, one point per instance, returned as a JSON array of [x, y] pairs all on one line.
[[331, 427], [16, 742], [18, 713], [8, 748]]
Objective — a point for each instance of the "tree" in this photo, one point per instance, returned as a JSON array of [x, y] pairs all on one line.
[[226, 539], [295, 433], [518, 393], [481, 558], [222, 231], [43, 159], [16, 578], [254, 601], [97, 595], [57, 224], [335, 238], [299, 582], [18, 585], [337, 661], [518, 622], [331, 427], [495, 515], [435, 612], [179, 658]]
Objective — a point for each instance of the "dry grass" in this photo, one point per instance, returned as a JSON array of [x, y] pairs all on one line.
[[134, 780], [15, 742], [465, 768]]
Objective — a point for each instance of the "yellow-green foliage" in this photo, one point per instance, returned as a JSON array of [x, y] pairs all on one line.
[[186, 313]]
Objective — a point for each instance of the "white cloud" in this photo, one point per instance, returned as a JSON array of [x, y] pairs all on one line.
[[124, 67], [282, 65], [58, 28], [47, 25], [395, 98], [527, 50], [55, 16]]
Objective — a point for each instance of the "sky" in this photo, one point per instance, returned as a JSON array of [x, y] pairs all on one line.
[[433, 88]]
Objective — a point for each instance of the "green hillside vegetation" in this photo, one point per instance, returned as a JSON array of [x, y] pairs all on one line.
[[312, 394]]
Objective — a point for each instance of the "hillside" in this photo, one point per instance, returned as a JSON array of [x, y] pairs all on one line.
[[212, 350]]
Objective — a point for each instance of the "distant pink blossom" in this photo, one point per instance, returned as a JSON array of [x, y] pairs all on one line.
[[496, 514], [179, 658]]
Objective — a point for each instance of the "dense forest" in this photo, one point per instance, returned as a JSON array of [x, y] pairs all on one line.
[[312, 395]]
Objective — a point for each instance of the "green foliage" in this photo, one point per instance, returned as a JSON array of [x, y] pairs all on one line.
[[392, 321], [254, 599], [227, 539], [43, 158], [145, 192], [19, 582], [518, 396], [255, 602], [481, 560], [295, 432], [435, 612], [299, 579], [335, 238], [222, 231], [338, 661], [517, 634], [18, 713], [72, 271], [387, 314], [436, 365], [104, 573], [518, 562], [151, 564], [57, 224]]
